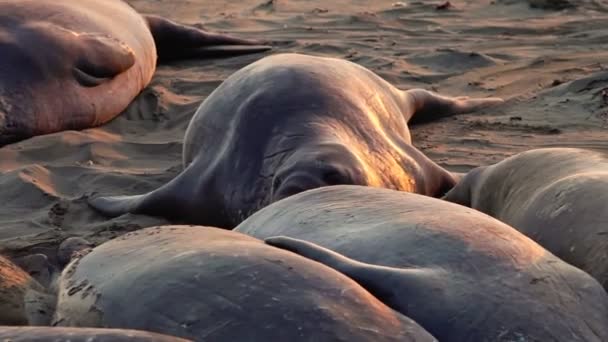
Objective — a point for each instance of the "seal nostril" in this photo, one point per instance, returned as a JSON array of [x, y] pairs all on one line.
[[282, 189], [335, 177], [291, 190]]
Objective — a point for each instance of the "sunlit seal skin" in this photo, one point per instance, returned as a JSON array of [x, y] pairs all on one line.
[[23, 301], [556, 196], [462, 275], [68, 64], [61, 334], [289, 123], [211, 284]]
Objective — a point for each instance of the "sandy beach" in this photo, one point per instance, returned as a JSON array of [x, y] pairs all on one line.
[[548, 64]]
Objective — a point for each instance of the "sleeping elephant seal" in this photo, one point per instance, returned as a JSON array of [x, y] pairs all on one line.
[[462, 275], [210, 284], [58, 334], [67, 64], [288, 123], [556, 196]]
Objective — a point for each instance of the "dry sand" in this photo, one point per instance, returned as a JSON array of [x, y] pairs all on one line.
[[549, 65]]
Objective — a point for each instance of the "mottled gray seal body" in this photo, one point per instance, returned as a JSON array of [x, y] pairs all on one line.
[[61, 334], [556, 196], [211, 284], [291, 122], [68, 64], [459, 273]]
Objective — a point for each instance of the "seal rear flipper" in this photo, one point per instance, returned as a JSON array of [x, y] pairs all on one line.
[[392, 286], [176, 41], [425, 106], [100, 59]]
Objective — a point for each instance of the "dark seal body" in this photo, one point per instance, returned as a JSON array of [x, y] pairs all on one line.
[[60, 334], [288, 123], [556, 196], [210, 284], [459, 273]]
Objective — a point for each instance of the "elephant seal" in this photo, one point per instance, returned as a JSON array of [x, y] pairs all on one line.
[[23, 301], [556, 196], [59, 334], [68, 64], [211, 284], [289, 123], [462, 275]]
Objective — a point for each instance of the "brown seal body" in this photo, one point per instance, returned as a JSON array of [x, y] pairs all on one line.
[[556, 196], [68, 64], [288, 123]]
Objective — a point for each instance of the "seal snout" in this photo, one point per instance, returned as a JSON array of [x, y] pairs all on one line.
[[294, 184], [307, 177], [315, 166]]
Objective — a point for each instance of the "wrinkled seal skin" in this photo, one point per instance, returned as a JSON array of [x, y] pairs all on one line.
[[23, 301], [68, 64], [211, 284], [462, 275], [556, 196], [288, 123], [60, 334]]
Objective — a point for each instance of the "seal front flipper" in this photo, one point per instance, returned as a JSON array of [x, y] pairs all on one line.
[[117, 205], [187, 198], [399, 288], [100, 58], [423, 105], [176, 41], [162, 202]]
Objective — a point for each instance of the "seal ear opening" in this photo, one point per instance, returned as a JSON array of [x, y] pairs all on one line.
[[175, 41]]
